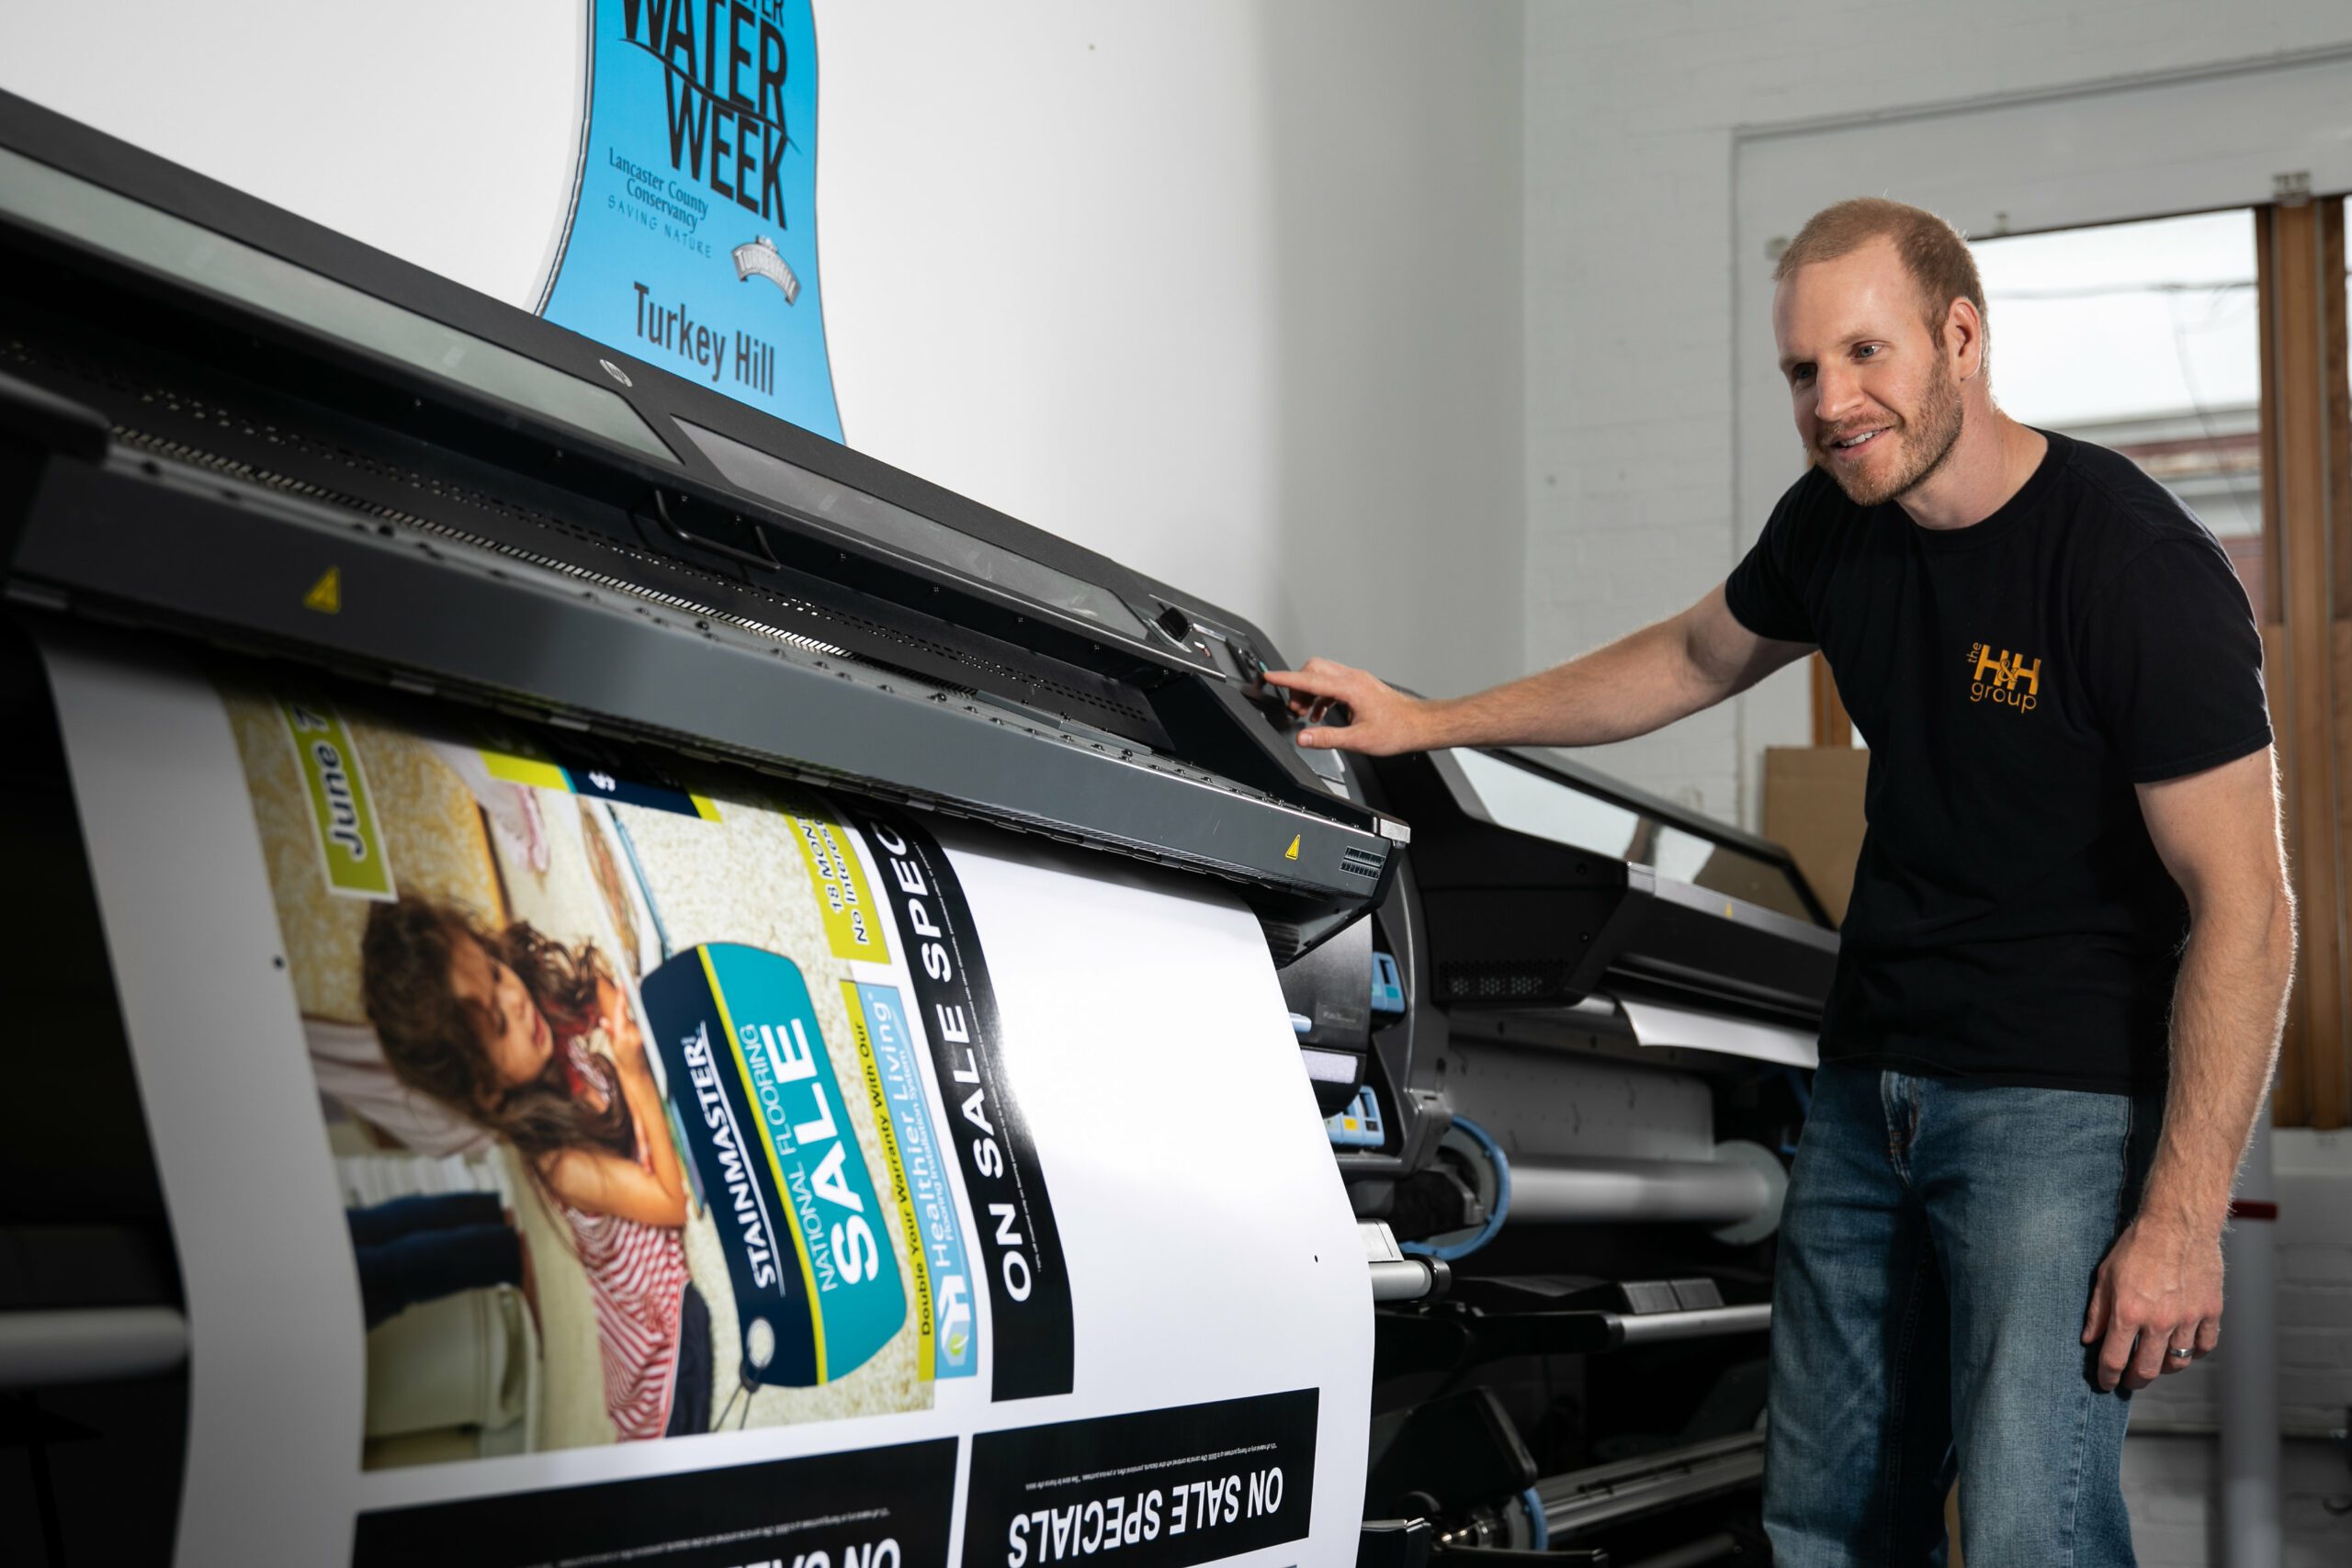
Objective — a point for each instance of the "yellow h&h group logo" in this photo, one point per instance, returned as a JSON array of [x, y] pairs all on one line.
[[2006, 678]]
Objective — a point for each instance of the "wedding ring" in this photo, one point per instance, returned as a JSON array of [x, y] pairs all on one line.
[[2179, 1355]]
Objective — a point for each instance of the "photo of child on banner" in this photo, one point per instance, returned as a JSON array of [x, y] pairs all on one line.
[[631, 1132]]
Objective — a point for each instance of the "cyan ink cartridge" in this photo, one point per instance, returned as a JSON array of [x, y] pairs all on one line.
[[1387, 989]]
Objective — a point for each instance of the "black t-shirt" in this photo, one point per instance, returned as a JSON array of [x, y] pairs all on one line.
[[2010, 919]]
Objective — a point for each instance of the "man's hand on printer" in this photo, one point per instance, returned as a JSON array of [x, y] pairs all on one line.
[[1345, 709]]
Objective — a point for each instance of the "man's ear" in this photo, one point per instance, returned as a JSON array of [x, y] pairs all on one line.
[[1964, 336]]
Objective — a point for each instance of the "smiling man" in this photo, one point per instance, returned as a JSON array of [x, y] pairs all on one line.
[[2065, 961]]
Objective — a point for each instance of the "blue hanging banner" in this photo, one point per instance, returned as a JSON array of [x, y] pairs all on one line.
[[693, 239]]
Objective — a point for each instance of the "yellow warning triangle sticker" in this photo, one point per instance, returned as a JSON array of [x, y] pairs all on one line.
[[326, 594], [1292, 852]]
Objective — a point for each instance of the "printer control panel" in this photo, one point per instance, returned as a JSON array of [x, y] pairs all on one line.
[[1238, 661]]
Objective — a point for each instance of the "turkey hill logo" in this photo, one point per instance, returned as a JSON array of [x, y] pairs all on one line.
[[2007, 678]]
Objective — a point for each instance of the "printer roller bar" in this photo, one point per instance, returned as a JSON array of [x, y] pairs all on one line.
[[1644, 1190], [1586, 1499], [48, 1348], [198, 553]]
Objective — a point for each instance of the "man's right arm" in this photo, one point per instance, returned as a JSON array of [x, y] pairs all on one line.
[[1640, 682]]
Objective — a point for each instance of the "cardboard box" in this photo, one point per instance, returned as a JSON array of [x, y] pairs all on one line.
[[1813, 805]]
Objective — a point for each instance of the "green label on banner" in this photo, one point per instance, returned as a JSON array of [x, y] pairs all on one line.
[[349, 842], [851, 928]]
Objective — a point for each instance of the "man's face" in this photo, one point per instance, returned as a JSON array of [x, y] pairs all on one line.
[[1875, 398]]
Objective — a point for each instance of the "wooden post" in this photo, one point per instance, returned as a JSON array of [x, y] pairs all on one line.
[[2308, 628]]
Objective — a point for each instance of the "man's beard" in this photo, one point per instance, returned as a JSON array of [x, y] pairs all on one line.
[[1926, 441]]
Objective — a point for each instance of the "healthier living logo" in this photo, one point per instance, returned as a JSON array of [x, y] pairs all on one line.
[[2008, 679]]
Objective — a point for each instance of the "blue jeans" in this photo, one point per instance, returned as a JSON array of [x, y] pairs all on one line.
[[1937, 1253]]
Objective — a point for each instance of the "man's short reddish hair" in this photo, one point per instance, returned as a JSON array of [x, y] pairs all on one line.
[[1932, 250]]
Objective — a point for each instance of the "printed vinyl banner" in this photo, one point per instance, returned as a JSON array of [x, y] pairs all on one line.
[[552, 1130], [692, 236], [1159, 1488], [599, 1057], [1028, 1288], [880, 1509]]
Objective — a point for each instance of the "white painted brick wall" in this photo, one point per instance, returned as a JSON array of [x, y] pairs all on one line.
[[2176, 1508], [2313, 1237], [2169, 1463], [1629, 110]]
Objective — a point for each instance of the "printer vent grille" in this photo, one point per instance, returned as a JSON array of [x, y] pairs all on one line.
[[1490, 980], [204, 429], [820, 617], [1360, 862], [182, 452]]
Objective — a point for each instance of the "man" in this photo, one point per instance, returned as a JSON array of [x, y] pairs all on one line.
[[1988, 1243]]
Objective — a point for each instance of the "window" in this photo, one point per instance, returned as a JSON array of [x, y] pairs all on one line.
[[2307, 629], [2142, 337]]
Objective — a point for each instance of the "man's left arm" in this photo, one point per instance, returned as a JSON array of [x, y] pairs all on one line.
[[2160, 1288]]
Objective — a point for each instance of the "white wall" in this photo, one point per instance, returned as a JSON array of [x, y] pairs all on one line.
[[2171, 1464], [1230, 292], [1637, 111], [1227, 290], [2169, 1481]]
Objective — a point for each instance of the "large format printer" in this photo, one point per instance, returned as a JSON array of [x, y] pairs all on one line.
[[1586, 1108], [1561, 1040]]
